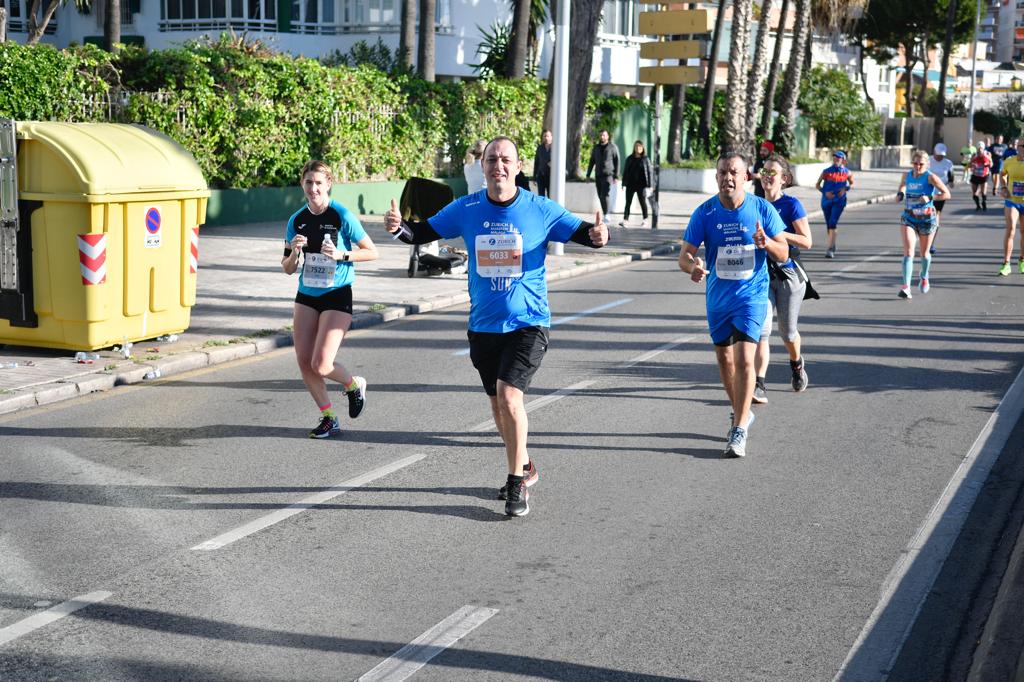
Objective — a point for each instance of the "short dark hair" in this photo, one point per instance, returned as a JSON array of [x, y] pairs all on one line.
[[499, 138], [733, 154]]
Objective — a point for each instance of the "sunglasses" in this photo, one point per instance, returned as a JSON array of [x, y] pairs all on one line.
[[769, 173]]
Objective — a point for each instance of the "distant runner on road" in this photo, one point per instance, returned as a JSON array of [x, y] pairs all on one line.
[[738, 230], [919, 190], [1013, 194], [834, 183], [507, 231]]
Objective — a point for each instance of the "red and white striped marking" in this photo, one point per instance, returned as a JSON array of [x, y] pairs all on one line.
[[92, 258], [193, 263]]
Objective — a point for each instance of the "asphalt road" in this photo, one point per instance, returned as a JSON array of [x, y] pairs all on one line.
[[212, 540]]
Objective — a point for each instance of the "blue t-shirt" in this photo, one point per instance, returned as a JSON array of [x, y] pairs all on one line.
[[915, 188], [790, 210], [742, 275], [1010, 151], [836, 178], [507, 246], [345, 230]]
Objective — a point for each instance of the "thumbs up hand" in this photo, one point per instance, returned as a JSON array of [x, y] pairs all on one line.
[[760, 238], [393, 218], [599, 232]]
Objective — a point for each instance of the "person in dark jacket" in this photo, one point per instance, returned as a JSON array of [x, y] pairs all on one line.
[[542, 164], [604, 157], [637, 177]]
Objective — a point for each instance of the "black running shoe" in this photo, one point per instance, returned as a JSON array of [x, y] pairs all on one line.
[[327, 427], [356, 398], [530, 476], [516, 499], [760, 392], [799, 375]]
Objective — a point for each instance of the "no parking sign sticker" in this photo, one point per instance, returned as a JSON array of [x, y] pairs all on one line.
[[153, 224]]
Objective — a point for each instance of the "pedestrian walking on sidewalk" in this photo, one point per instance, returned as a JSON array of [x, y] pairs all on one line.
[[323, 241], [1013, 198], [787, 281], [471, 168], [542, 164], [738, 231], [638, 178], [919, 190], [834, 183], [506, 231], [604, 163]]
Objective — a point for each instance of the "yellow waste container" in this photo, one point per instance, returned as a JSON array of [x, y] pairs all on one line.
[[99, 234]]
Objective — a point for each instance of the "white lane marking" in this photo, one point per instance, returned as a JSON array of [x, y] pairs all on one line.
[[416, 654], [580, 385], [563, 320], [54, 613], [911, 579], [853, 266], [304, 504]]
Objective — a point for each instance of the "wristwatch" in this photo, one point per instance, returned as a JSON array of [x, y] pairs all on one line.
[[345, 258]]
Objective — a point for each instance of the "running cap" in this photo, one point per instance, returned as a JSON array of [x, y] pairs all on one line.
[[940, 149], [769, 145], [840, 153]]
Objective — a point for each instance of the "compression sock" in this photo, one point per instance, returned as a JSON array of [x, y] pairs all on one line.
[[908, 269], [327, 410], [353, 386], [977, 203], [926, 263]]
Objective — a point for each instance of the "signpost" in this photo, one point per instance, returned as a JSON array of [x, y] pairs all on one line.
[[664, 23]]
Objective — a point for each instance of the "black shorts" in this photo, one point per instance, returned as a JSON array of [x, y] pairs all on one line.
[[939, 205], [512, 357], [978, 181], [335, 299]]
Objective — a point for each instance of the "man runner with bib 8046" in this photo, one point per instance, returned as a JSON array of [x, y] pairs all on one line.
[[506, 230], [737, 230]]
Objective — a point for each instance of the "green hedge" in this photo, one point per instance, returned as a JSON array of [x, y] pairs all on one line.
[[252, 119]]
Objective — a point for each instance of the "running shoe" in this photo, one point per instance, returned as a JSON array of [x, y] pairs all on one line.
[[1005, 270], [931, 250], [760, 392], [799, 375], [830, 253], [905, 292], [643, 223], [327, 427], [737, 446], [622, 223], [516, 503], [750, 421], [923, 285], [356, 398], [530, 476], [1020, 266]]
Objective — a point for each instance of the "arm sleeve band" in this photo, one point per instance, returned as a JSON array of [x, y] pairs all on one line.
[[422, 233], [582, 235]]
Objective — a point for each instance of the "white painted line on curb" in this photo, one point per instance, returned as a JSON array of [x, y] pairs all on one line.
[[563, 320], [304, 504], [910, 580], [54, 613], [416, 654], [580, 385]]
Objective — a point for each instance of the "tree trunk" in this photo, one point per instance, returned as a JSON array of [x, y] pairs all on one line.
[[407, 34], [37, 26], [922, 94], [784, 126], [3, 24], [757, 71], [586, 16], [675, 119], [425, 55], [112, 25], [708, 110], [773, 74], [863, 77], [947, 47], [736, 137], [911, 59], [515, 61]]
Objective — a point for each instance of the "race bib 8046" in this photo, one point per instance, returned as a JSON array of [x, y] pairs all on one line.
[[735, 261]]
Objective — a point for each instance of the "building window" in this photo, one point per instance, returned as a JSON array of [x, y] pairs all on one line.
[[17, 16], [193, 15], [883, 79], [622, 17], [328, 17]]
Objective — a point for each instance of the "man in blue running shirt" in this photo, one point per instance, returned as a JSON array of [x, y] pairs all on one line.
[[738, 230], [506, 231]]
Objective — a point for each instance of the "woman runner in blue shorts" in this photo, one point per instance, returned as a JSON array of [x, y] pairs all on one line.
[[319, 239], [919, 190]]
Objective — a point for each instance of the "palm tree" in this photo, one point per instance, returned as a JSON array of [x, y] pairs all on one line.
[[112, 25], [783, 134], [947, 47], [706, 112], [515, 65], [3, 24], [39, 16], [757, 70], [773, 73], [407, 34], [736, 135], [425, 56], [586, 17]]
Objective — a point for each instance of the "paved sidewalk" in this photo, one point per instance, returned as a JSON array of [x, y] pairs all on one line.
[[244, 301]]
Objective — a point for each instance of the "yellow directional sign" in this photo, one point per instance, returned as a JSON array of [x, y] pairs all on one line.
[[670, 75], [673, 49], [675, 22]]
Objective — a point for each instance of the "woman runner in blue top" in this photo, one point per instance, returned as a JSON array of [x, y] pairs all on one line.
[[919, 190], [323, 233], [834, 183], [787, 282]]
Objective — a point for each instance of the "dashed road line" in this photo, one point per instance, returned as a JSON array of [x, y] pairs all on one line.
[[50, 615]]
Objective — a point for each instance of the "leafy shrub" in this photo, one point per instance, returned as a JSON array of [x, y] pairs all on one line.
[[837, 111]]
